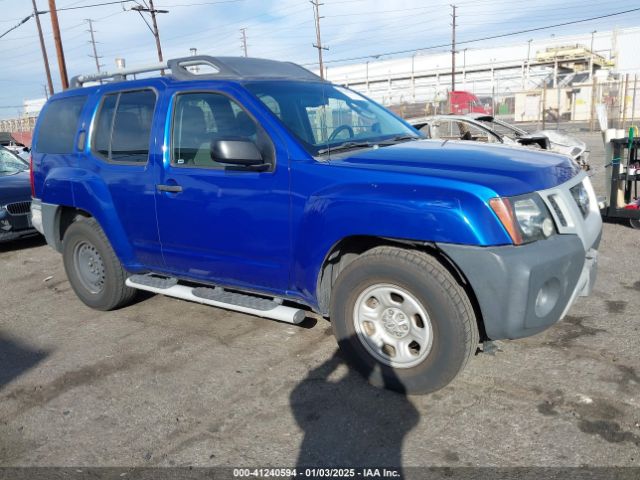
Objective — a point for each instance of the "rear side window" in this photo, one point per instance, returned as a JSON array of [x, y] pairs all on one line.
[[122, 129], [59, 124]]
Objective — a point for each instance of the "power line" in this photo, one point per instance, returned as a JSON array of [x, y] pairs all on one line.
[[92, 5], [22, 22], [491, 37], [196, 4]]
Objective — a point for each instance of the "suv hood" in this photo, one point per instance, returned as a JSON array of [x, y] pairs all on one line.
[[503, 169]]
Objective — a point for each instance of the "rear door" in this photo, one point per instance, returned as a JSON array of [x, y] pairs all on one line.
[[123, 151], [223, 224]]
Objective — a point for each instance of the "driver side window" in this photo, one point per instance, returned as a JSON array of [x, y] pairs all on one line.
[[201, 119]]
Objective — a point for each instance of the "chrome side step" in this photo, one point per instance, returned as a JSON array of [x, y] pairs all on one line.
[[218, 297]]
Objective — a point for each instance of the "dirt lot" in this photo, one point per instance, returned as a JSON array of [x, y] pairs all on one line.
[[166, 382]]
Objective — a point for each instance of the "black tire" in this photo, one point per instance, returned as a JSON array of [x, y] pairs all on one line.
[[453, 323], [635, 223], [112, 292]]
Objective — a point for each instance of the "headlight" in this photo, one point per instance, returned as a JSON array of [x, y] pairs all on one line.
[[526, 218], [581, 197]]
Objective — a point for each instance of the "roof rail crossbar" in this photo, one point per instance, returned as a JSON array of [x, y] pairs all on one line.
[[79, 80]]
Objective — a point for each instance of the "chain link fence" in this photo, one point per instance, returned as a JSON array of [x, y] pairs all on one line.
[[558, 101]]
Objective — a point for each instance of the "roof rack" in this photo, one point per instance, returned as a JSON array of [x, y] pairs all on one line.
[[223, 68]]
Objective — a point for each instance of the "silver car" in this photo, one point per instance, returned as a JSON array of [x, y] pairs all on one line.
[[486, 128]]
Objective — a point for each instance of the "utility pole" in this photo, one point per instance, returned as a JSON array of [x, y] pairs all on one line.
[[62, 65], [93, 43], [528, 62], [453, 49], [243, 32], [316, 13], [43, 48], [591, 55], [154, 24]]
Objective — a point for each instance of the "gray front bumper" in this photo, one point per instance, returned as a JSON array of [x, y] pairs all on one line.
[[508, 280]]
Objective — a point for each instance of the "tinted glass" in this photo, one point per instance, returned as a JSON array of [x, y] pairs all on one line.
[[201, 119], [132, 127], [323, 115], [103, 125], [58, 125]]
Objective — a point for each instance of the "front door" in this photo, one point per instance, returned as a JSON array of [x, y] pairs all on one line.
[[224, 224]]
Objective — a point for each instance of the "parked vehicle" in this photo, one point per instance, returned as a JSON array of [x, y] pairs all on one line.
[[558, 142], [462, 103], [10, 143], [15, 197], [486, 128], [260, 188]]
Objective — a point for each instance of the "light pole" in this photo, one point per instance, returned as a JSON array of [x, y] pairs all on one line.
[[464, 68]]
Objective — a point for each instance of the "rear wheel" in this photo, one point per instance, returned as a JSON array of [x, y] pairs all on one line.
[[635, 223], [92, 267], [402, 320]]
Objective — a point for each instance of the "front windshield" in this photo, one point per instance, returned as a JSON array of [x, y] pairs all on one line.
[[325, 117], [503, 129], [10, 163]]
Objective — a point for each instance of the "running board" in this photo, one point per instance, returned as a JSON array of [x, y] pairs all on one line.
[[218, 297]]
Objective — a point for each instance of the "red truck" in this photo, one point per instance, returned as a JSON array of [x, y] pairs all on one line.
[[462, 103]]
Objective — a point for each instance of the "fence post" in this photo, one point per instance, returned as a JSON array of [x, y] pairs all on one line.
[[544, 104], [633, 105], [594, 97], [624, 100]]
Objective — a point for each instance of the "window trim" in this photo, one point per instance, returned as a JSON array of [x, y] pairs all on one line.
[[171, 119], [76, 129], [94, 120]]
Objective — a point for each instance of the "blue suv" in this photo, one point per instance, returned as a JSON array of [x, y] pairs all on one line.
[[254, 185]]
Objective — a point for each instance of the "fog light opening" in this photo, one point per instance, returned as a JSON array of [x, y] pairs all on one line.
[[548, 297]]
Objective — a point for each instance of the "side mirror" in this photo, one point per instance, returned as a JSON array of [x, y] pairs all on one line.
[[236, 152]]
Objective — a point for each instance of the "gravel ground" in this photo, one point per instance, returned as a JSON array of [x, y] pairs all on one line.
[[166, 382]]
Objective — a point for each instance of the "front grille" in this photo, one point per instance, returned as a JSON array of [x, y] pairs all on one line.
[[19, 208], [556, 209]]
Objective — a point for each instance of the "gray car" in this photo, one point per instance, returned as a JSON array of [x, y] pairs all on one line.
[[486, 128]]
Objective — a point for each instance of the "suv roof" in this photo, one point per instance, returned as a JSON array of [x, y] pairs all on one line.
[[218, 68]]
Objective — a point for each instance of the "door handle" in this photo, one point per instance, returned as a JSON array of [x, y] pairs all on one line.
[[169, 188]]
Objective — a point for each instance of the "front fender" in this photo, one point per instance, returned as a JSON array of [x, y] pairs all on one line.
[[393, 208]]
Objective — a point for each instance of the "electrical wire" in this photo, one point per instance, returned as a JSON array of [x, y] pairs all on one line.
[[490, 37], [22, 22]]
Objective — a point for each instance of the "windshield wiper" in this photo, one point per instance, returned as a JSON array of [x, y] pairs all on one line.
[[345, 146], [398, 138], [382, 143]]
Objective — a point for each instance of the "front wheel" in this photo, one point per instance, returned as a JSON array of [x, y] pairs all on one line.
[[92, 267], [402, 320]]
